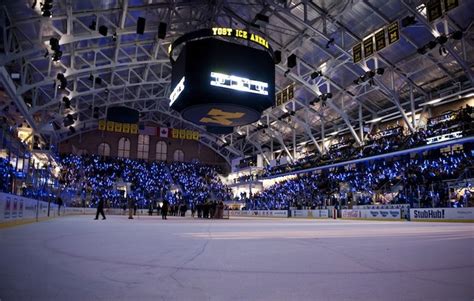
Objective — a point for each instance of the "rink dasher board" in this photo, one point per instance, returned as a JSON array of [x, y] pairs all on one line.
[[259, 213], [442, 214], [315, 213], [393, 214], [14, 207]]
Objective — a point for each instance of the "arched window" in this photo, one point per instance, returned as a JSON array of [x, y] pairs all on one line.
[[178, 155], [161, 151], [103, 150], [143, 146], [124, 147]]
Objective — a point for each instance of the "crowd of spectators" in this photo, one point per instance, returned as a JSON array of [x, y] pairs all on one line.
[[6, 175], [385, 141], [420, 178], [94, 177]]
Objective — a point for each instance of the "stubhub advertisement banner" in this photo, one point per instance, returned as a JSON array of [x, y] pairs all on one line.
[[371, 213], [461, 214]]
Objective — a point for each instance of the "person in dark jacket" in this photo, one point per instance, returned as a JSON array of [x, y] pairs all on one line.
[[164, 209], [100, 209], [59, 201]]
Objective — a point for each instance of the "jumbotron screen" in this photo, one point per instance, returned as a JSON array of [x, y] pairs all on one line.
[[224, 84]]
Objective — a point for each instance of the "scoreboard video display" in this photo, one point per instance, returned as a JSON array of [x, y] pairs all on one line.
[[218, 83]]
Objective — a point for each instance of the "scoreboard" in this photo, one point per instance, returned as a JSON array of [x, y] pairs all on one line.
[[218, 83]]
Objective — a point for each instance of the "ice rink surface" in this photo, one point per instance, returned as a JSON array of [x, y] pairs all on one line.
[[77, 258]]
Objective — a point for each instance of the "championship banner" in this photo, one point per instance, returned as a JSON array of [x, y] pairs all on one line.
[[450, 4], [133, 128], [110, 126], [189, 134], [175, 133], [284, 96], [182, 134], [195, 135], [368, 47], [278, 99], [126, 128], [393, 33], [102, 125], [291, 92], [433, 10], [380, 40], [118, 127], [357, 53]]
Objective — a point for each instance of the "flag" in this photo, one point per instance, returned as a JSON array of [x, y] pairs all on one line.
[[164, 132], [147, 130]]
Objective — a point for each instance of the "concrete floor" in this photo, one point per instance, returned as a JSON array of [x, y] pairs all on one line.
[[77, 258]]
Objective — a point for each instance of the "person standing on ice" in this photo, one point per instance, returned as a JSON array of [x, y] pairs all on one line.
[[100, 208], [164, 209]]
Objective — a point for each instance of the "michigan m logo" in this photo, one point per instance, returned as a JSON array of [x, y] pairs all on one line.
[[221, 117]]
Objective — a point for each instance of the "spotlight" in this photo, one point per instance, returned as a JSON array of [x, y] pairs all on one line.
[[277, 57], [315, 100], [262, 18], [47, 13], [28, 102], [431, 45], [98, 81], [93, 25], [106, 91], [316, 74], [91, 77], [441, 39], [330, 42], [114, 37], [291, 61], [356, 81], [162, 30], [141, 25], [457, 35], [369, 74], [422, 50], [409, 20], [56, 126], [329, 95], [380, 71], [442, 51], [72, 130], [54, 43], [67, 102], [60, 76], [57, 56], [103, 30]]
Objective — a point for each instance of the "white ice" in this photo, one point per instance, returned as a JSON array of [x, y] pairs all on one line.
[[77, 258]]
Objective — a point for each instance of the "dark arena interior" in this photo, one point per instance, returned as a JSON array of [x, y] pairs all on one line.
[[236, 150]]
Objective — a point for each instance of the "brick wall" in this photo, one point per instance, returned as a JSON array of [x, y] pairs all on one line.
[[89, 143]]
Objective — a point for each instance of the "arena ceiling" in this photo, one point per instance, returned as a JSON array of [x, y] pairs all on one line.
[[135, 70]]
